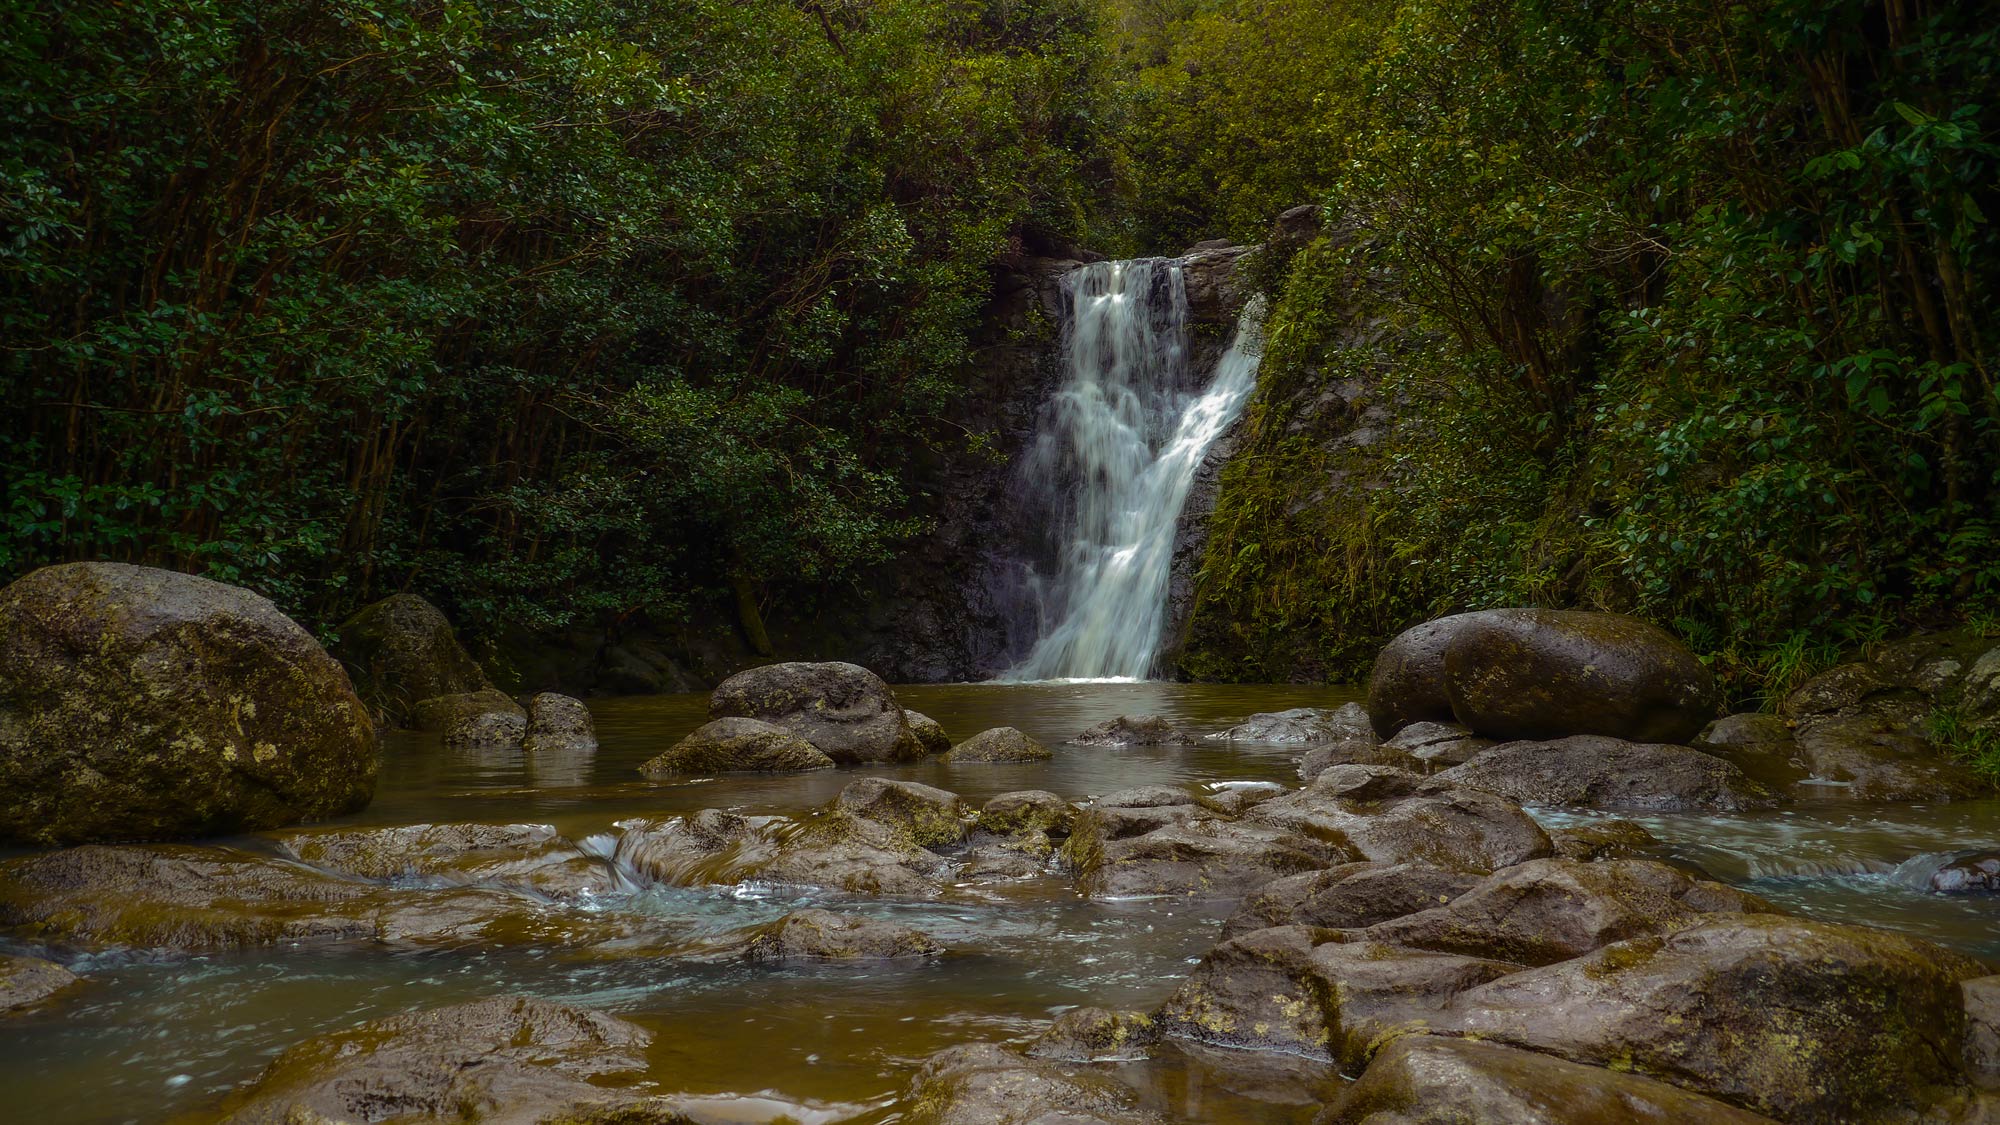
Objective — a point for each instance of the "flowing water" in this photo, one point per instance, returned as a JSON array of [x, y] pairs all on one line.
[[151, 1038], [1123, 438]]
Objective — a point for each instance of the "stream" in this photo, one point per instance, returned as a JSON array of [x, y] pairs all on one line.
[[151, 1039]]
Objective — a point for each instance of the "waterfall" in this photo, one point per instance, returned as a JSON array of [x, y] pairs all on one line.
[[1117, 453]]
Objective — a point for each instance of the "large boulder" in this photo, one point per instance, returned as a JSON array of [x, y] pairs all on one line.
[[845, 710], [504, 1059], [1428, 1080], [1513, 674], [733, 744], [1595, 772], [142, 703], [1001, 744], [26, 982], [983, 1084], [1804, 1021], [402, 650], [1029, 810]]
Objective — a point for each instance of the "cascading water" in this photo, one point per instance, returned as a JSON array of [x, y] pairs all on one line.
[[1122, 441]]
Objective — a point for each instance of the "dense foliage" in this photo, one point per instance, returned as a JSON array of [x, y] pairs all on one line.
[[555, 310]]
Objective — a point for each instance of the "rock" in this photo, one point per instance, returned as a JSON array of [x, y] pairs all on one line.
[[558, 722], [1427, 1080], [1407, 683], [1148, 730], [1293, 230], [1216, 289], [1321, 758], [1095, 1035], [144, 704], [27, 981], [443, 712], [845, 710], [1880, 756], [1978, 873], [510, 1058], [1803, 1021], [1365, 783], [1438, 824], [1303, 724], [1283, 989], [821, 935], [528, 857], [1592, 771], [1550, 910], [1233, 799], [735, 744], [1030, 810], [981, 1084], [843, 852], [928, 731], [1147, 797], [1982, 1030], [1603, 839], [1447, 743], [1024, 858], [1351, 896], [927, 815], [1001, 744], [1546, 674], [1118, 852], [401, 650], [710, 847], [487, 730]]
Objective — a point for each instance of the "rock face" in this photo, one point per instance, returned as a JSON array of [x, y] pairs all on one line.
[[141, 703], [1514, 674], [510, 1058], [981, 1084], [1591, 771], [734, 744], [1146, 730], [27, 981], [1424, 1080], [400, 651], [822, 935], [844, 709], [1001, 744], [1804, 1021]]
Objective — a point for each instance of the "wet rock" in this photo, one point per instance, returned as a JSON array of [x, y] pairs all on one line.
[[735, 744], [487, 730], [1030, 810], [1982, 1030], [1023, 858], [1446, 743], [1365, 783], [504, 1059], [1439, 824], [1550, 910], [1407, 683], [1883, 755], [1592, 771], [28, 981], [982, 1084], [1001, 744], [1147, 797], [845, 710], [1117, 852], [1237, 798], [558, 722], [928, 731], [531, 857], [443, 712], [401, 650], [1125, 730], [1804, 1021], [1603, 839], [704, 848], [926, 815], [1349, 723], [1350, 896], [821, 935], [1978, 873], [843, 852], [1216, 289], [1545, 674], [1096, 1035], [1353, 752], [143, 704], [1285, 989], [1426, 1080]]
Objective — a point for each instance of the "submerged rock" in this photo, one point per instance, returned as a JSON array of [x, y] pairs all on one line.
[[928, 731], [1125, 730], [1096, 1035], [401, 651], [1030, 810], [143, 704], [483, 730], [839, 851], [1804, 1021], [1426, 1080], [1349, 723], [532, 857], [444, 712], [735, 744], [504, 1059], [28, 981], [1000, 744], [822, 935], [982, 1084], [1592, 771], [845, 710]]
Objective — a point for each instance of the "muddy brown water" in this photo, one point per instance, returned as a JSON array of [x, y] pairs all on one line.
[[155, 1039]]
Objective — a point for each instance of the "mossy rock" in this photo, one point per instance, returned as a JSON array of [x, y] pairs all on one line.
[[998, 745], [441, 713], [822, 935], [27, 982], [402, 650], [1030, 810], [928, 731], [736, 744], [138, 703], [844, 709], [926, 815]]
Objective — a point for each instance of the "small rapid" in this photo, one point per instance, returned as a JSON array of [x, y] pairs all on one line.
[[1121, 443]]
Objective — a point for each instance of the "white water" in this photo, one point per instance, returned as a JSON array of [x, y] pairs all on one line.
[[1125, 435]]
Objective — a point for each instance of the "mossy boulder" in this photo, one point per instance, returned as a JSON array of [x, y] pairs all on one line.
[[558, 722], [844, 709], [734, 744], [1096, 1035], [1407, 683], [926, 815], [1030, 810], [402, 650], [998, 745], [441, 713], [138, 703], [1595, 772], [487, 730], [1428, 1080], [1807, 1022], [822, 935], [928, 731], [26, 982]]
